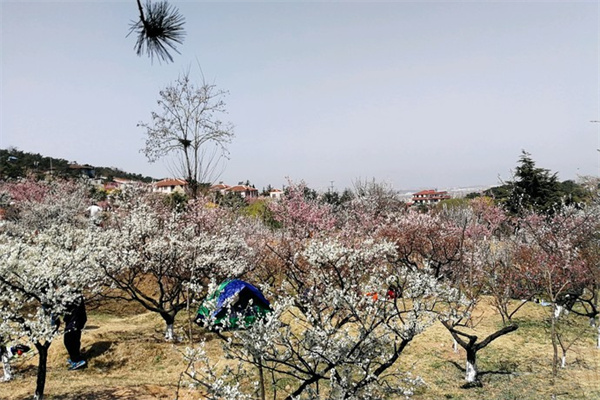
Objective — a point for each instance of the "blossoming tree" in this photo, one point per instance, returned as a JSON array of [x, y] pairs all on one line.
[[553, 262], [335, 330], [41, 273], [47, 259], [163, 260]]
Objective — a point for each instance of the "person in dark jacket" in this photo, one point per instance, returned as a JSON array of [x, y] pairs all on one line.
[[75, 319]]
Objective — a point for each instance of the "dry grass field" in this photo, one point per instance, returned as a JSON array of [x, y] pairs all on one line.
[[128, 359]]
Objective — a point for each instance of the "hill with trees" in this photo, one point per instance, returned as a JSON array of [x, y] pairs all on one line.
[[15, 164]]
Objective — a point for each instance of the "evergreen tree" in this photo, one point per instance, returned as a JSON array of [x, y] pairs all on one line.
[[534, 189]]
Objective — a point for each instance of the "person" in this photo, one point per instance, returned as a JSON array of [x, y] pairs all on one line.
[[8, 353], [95, 213], [75, 319]]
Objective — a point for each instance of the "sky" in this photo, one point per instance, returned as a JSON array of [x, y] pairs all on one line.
[[430, 94]]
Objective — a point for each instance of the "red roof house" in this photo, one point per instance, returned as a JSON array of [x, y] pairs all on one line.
[[243, 190], [428, 197], [168, 186]]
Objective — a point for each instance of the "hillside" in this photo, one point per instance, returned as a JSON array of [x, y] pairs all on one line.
[[128, 359], [15, 163]]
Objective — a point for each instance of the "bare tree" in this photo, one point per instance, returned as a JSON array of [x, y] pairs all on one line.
[[187, 126]]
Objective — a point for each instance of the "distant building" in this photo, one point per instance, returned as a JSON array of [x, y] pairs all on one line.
[[245, 191], [123, 183], [276, 194], [429, 197], [219, 188], [120, 184], [168, 186], [84, 170]]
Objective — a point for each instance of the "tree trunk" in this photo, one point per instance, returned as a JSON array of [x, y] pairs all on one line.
[[553, 334], [169, 320], [169, 335], [261, 380], [454, 345], [6, 366], [471, 367], [598, 330], [472, 347], [595, 303], [40, 383], [558, 309]]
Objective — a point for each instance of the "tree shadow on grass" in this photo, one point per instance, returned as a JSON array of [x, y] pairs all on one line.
[[122, 393], [480, 374]]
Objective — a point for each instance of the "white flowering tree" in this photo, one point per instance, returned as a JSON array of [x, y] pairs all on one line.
[[41, 272], [372, 204], [337, 332], [39, 204], [163, 259]]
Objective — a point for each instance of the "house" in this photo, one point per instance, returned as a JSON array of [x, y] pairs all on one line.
[[83, 170], [169, 185], [123, 183], [276, 194], [244, 191], [429, 197], [219, 188]]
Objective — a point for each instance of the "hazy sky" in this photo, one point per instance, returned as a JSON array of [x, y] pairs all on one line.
[[434, 94]]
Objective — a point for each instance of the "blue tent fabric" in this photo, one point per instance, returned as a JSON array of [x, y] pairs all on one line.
[[235, 287], [235, 303]]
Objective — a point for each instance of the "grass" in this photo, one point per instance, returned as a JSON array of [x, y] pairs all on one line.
[[128, 359]]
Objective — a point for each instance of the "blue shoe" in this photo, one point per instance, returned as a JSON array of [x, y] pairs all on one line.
[[78, 365], [69, 363]]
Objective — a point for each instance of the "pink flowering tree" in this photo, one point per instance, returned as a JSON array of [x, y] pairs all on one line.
[[485, 254], [300, 216], [552, 261], [464, 246], [587, 304], [39, 204], [425, 240]]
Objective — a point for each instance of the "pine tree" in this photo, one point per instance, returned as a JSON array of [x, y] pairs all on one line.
[[534, 189]]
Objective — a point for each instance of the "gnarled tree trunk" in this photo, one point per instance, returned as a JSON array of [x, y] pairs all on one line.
[[469, 343], [40, 383]]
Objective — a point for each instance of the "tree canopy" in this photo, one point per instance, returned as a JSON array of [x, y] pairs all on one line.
[[535, 189]]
